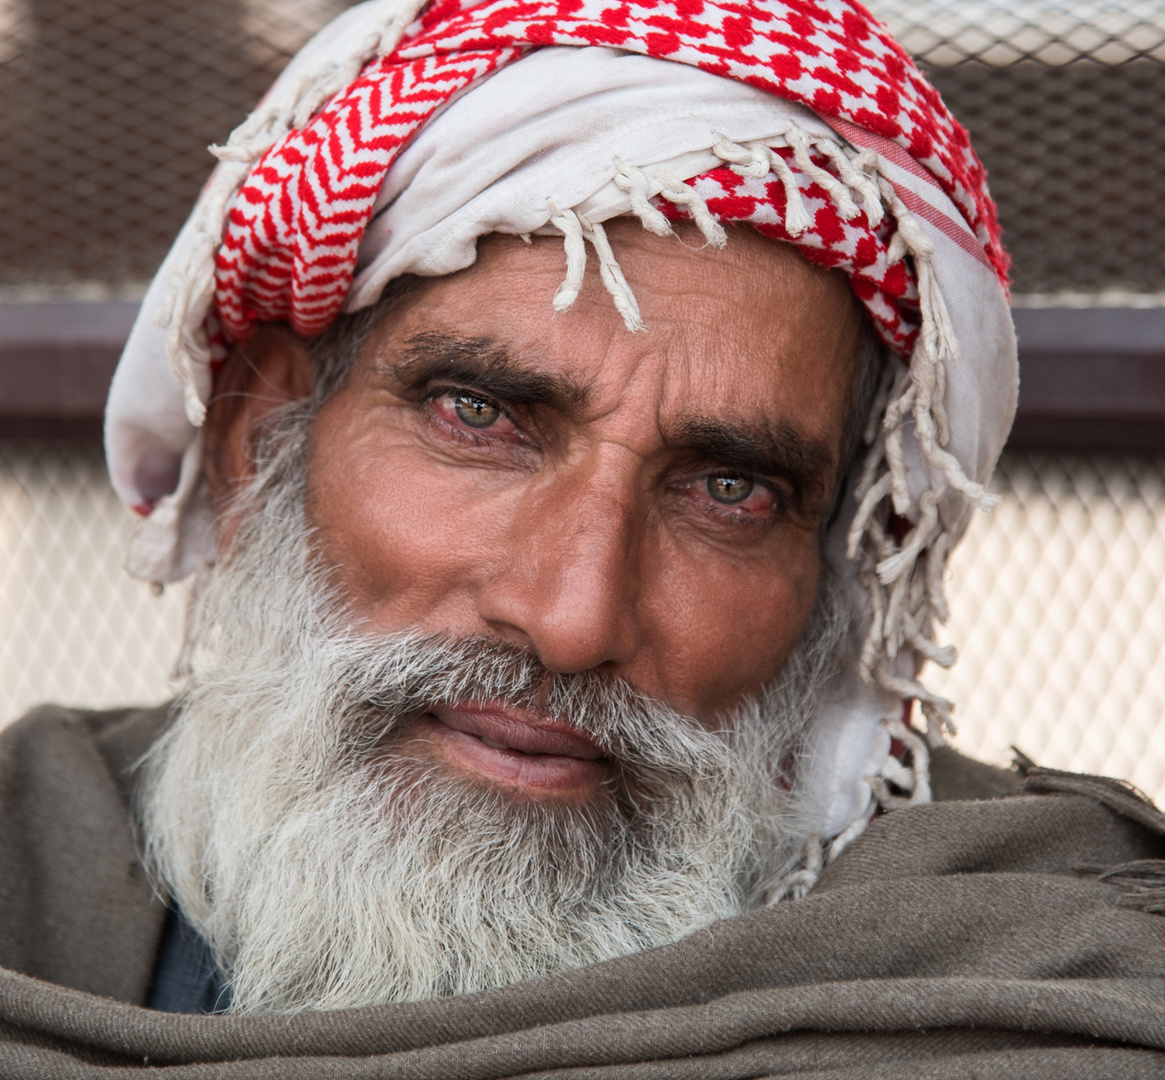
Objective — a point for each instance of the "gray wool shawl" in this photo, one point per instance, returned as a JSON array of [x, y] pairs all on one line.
[[1001, 931]]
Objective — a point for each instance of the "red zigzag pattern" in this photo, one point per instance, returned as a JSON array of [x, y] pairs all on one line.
[[293, 229]]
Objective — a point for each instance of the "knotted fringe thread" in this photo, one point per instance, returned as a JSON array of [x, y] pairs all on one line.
[[806, 869], [192, 284], [897, 785], [1142, 881], [904, 579], [857, 185], [577, 230]]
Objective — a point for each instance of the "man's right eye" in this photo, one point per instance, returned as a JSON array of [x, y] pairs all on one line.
[[475, 410], [730, 488]]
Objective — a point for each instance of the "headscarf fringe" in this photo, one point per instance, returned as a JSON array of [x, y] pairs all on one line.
[[634, 182], [858, 182], [800, 143], [897, 785], [800, 878], [853, 830], [913, 779], [567, 222], [904, 579], [676, 192], [612, 275]]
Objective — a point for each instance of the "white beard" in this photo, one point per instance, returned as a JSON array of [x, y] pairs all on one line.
[[328, 869]]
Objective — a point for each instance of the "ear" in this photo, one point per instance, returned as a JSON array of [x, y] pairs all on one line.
[[271, 368]]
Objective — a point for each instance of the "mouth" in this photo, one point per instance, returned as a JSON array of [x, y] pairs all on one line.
[[511, 747]]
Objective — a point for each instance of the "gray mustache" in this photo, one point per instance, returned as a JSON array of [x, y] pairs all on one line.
[[390, 684]]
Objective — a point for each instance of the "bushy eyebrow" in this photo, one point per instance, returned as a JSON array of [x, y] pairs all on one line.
[[480, 364], [778, 451]]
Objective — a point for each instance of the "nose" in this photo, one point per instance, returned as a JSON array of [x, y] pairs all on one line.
[[568, 585]]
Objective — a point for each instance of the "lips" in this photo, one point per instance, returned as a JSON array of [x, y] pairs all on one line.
[[515, 748]]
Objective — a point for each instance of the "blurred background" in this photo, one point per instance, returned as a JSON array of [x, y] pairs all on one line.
[[1058, 597]]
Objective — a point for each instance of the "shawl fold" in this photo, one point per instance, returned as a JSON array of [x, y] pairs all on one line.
[[952, 940]]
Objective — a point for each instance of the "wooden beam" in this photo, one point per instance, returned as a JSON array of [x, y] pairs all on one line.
[[1091, 380], [56, 363]]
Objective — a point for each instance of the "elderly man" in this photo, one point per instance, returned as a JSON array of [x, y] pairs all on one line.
[[567, 412]]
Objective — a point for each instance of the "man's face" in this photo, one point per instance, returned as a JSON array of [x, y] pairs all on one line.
[[556, 710], [644, 504]]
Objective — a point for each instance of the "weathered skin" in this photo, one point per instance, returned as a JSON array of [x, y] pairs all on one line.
[[580, 525]]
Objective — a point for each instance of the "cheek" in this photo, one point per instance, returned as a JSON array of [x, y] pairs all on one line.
[[413, 542], [723, 629], [407, 540]]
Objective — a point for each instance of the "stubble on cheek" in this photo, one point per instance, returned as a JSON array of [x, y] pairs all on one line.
[[370, 508]]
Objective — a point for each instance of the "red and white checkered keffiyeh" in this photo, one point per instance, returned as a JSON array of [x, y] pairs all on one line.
[[395, 140], [295, 227]]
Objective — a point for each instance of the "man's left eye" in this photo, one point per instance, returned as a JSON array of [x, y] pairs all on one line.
[[474, 410], [739, 496]]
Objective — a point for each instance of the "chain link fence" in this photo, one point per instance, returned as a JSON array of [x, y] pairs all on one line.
[[1058, 610], [1058, 597], [1064, 103], [74, 628], [109, 106]]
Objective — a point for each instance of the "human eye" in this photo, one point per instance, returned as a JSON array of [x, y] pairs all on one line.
[[731, 489], [469, 413], [737, 496], [473, 410]]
